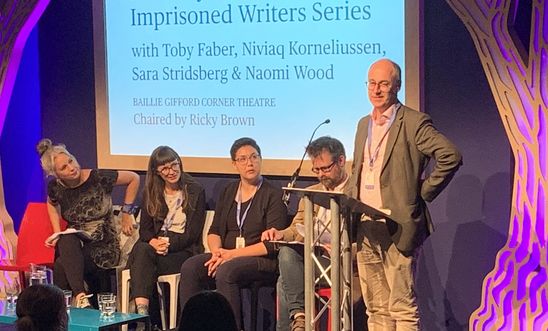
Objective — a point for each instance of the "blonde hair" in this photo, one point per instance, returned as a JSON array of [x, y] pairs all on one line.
[[48, 152]]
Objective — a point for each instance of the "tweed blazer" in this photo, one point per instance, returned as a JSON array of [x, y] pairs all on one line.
[[412, 141], [291, 233]]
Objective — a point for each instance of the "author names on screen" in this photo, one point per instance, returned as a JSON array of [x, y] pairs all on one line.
[[254, 48]]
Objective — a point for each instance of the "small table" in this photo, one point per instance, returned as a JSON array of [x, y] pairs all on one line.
[[83, 319]]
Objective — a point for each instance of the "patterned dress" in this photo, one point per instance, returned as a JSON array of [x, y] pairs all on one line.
[[88, 207]]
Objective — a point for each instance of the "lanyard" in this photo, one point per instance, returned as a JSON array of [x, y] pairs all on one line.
[[240, 220], [373, 158], [168, 221]]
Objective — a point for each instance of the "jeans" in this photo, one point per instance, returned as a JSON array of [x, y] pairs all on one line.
[[291, 282], [386, 279]]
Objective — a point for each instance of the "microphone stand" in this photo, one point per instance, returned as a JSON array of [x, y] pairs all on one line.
[[295, 175]]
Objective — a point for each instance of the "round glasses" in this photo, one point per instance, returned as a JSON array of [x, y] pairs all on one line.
[[164, 170]]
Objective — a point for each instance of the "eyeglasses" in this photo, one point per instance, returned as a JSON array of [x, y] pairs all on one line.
[[243, 159], [324, 169], [384, 85], [165, 169]]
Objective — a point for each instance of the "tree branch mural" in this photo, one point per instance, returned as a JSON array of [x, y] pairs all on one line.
[[515, 293], [17, 19]]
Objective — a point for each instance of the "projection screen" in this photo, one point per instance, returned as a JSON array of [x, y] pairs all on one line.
[[196, 75]]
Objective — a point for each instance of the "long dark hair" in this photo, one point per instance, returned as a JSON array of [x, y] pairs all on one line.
[[153, 196], [41, 307]]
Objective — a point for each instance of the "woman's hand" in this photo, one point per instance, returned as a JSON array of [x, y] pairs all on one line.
[[227, 254], [52, 243], [217, 258], [160, 246], [212, 264], [127, 224]]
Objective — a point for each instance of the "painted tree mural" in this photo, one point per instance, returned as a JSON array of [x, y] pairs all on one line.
[[515, 292], [17, 19]]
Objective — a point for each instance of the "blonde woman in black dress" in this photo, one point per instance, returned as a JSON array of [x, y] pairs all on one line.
[[82, 197]]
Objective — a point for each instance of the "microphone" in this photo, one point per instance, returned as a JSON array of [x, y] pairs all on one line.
[[295, 175]]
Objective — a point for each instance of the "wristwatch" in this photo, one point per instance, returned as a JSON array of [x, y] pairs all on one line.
[[129, 208]]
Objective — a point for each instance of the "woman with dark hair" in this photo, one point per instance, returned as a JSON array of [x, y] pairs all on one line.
[[238, 258], [83, 197], [197, 313], [41, 308], [172, 220]]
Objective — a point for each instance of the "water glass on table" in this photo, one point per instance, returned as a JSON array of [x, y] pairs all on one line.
[[68, 299], [12, 293], [40, 274], [107, 304]]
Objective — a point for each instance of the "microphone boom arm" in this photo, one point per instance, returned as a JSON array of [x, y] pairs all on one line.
[[295, 175]]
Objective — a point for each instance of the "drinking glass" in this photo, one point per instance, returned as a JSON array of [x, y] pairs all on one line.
[[12, 293], [68, 299], [107, 304], [39, 274]]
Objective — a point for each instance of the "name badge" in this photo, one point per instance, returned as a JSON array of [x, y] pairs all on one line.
[[240, 242], [369, 180]]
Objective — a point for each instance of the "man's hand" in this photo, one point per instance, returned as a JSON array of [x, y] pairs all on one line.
[[327, 248], [271, 234]]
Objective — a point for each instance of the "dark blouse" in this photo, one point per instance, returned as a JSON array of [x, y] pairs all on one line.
[[233, 230]]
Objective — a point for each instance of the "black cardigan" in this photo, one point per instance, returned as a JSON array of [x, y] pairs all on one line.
[[191, 239]]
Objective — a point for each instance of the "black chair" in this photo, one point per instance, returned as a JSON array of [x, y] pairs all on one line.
[[260, 294]]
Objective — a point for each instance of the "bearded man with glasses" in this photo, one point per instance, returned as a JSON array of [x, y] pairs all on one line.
[[328, 160]]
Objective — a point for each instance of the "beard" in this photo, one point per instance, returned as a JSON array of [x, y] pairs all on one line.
[[328, 182]]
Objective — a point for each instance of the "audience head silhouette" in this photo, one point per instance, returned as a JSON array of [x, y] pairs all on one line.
[[41, 307], [208, 310]]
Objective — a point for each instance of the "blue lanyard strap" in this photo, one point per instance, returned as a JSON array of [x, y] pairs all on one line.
[[373, 157], [240, 219]]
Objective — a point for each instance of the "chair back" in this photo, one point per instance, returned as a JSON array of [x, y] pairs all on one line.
[[207, 225], [34, 229]]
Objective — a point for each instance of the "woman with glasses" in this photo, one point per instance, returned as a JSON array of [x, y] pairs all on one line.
[[238, 257], [83, 198], [172, 220]]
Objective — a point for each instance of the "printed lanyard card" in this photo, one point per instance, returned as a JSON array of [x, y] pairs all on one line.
[[240, 242], [369, 180]]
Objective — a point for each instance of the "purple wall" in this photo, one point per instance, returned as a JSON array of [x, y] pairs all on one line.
[[22, 174], [471, 215]]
